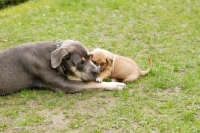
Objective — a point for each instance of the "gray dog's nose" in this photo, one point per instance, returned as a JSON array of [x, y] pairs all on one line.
[[95, 72]]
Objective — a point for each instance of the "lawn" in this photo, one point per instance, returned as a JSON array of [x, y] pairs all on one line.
[[166, 100]]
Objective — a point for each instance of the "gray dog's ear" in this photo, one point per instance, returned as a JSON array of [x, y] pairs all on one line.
[[57, 56]]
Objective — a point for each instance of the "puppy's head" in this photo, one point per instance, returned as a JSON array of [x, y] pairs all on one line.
[[101, 58], [76, 58]]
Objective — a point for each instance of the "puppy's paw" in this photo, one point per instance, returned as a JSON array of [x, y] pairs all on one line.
[[98, 79], [113, 80]]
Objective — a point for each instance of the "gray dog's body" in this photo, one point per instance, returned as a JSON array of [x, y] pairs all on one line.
[[37, 64]]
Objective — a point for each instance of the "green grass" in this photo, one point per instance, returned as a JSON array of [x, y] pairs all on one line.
[[166, 100]]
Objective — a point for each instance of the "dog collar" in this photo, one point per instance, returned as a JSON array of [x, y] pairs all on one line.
[[64, 68], [58, 45]]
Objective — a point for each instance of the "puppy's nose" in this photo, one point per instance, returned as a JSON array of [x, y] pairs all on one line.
[[95, 72]]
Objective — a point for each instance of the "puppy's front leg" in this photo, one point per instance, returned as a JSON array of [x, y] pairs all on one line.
[[104, 74]]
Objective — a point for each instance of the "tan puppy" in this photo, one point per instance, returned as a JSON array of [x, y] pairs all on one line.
[[117, 67]]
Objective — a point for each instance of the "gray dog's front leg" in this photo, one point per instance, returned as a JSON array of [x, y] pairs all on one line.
[[59, 82], [71, 86]]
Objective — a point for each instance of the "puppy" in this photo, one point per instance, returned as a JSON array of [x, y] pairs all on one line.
[[117, 67]]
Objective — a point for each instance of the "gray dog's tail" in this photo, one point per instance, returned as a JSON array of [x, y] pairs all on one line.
[[142, 73]]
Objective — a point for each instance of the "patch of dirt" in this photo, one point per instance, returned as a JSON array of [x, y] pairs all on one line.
[[94, 105], [32, 104], [169, 91], [91, 108], [53, 119], [4, 118], [139, 90], [57, 119]]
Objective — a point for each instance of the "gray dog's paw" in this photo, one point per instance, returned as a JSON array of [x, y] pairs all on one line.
[[112, 85], [121, 86], [98, 80]]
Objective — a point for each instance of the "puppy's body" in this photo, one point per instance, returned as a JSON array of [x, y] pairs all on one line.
[[117, 67]]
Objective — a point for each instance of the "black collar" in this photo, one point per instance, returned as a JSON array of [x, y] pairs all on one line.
[[58, 45]]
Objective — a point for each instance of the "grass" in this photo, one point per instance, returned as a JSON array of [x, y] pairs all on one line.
[[166, 100]]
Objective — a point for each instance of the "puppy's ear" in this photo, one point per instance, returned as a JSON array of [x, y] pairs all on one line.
[[57, 56], [109, 61], [109, 58]]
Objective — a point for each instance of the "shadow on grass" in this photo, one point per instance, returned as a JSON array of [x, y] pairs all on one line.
[[7, 3]]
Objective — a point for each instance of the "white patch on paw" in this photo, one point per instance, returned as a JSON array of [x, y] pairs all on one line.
[[120, 86], [116, 86], [113, 80], [98, 80]]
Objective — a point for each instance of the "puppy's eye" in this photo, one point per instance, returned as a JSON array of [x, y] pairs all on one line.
[[90, 55], [94, 62], [81, 63]]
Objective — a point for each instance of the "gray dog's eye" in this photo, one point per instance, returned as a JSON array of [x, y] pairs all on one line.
[[81, 63]]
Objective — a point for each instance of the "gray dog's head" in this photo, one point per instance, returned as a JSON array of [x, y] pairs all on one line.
[[77, 58]]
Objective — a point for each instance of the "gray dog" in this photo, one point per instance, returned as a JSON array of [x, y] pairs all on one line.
[[47, 64]]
